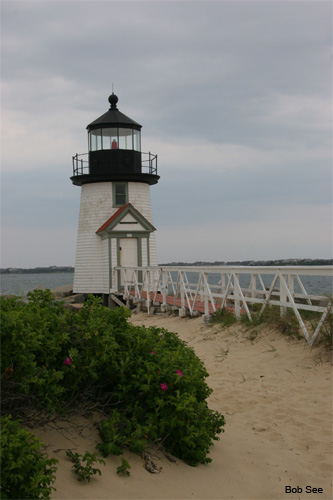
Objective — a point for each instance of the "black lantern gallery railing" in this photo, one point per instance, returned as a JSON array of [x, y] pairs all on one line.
[[81, 164]]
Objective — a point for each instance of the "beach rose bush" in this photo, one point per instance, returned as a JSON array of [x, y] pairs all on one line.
[[162, 383], [33, 340], [148, 382], [26, 471], [49, 354]]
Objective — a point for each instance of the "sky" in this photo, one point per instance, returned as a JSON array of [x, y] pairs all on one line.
[[235, 98]]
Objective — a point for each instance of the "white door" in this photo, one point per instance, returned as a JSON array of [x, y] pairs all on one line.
[[128, 255]]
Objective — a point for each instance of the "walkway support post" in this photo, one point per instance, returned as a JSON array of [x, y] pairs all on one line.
[[283, 296], [164, 290]]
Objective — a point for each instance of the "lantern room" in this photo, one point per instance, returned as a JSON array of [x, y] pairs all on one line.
[[114, 145]]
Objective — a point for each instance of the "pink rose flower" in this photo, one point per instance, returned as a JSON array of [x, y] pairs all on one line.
[[163, 387], [67, 361], [179, 373]]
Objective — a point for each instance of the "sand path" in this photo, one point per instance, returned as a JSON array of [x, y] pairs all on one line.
[[276, 396]]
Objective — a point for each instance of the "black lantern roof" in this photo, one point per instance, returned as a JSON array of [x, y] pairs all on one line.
[[113, 117]]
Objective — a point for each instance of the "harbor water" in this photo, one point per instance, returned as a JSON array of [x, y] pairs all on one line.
[[21, 284]]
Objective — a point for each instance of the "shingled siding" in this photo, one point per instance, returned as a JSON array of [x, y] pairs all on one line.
[[92, 254]]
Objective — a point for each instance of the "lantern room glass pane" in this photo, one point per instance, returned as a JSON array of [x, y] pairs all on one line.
[[99, 140], [125, 138], [110, 138], [136, 140], [93, 140]]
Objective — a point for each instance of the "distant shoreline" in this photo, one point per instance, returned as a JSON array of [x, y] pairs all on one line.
[[37, 270], [280, 262]]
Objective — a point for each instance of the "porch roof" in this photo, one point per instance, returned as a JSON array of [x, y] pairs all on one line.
[[120, 213]]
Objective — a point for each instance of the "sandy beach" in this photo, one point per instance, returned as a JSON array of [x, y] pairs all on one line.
[[276, 396]]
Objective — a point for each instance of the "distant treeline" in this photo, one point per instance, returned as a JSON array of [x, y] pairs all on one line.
[[37, 270], [281, 262]]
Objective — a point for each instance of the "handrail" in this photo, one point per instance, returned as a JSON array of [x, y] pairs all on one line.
[[238, 287], [81, 165], [152, 162]]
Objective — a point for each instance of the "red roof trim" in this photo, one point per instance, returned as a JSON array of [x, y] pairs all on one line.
[[113, 217]]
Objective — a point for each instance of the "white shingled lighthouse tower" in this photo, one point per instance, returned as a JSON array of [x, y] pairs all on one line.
[[115, 220]]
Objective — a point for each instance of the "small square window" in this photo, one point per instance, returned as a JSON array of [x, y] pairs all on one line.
[[120, 194]]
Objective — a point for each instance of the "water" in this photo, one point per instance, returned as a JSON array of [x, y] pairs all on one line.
[[20, 284]]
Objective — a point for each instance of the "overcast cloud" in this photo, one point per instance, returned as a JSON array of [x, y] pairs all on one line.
[[234, 97]]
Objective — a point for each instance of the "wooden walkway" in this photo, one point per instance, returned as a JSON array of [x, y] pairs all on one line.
[[176, 302], [236, 288]]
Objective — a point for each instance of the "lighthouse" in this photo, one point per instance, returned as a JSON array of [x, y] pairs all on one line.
[[115, 220]]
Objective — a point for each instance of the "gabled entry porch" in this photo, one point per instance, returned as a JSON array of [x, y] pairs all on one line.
[[125, 243]]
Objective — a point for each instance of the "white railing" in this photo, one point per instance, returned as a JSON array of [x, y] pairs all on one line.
[[234, 287]]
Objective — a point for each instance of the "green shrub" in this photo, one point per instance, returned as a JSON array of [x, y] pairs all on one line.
[[147, 381], [50, 355], [26, 472], [123, 469], [162, 383], [33, 340], [83, 464]]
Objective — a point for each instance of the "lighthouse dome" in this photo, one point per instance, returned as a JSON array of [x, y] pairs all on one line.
[[113, 117]]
